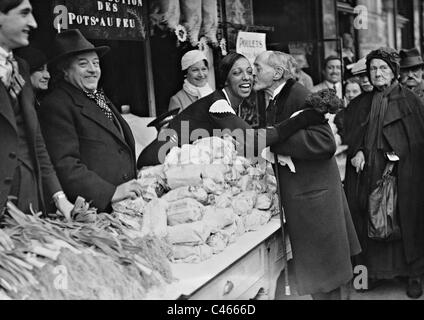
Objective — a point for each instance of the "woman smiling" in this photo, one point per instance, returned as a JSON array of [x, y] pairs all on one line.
[[218, 111], [195, 66]]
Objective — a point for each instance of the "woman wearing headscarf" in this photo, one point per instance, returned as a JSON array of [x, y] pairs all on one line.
[[39, 74], [195, 66], [388, 120], [219, 111]]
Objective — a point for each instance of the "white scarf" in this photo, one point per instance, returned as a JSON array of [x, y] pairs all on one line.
[[5, 68], [198, 92]]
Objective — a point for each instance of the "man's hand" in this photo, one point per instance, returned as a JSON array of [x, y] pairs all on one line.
[[5, 242], [131, 189], [358, 161], [64, 207]]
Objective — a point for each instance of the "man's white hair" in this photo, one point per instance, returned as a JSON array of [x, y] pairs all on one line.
[[278, 59]]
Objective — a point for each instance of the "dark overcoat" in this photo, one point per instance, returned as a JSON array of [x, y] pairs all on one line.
[[403, 129], [320, 227], [90, 154], [47, 181]]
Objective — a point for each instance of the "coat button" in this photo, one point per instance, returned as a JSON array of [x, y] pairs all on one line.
[[8, 181], [125, 176], [12, 155]]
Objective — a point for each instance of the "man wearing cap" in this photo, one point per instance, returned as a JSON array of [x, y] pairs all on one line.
[[26, 173], [386, 125], [359, 69], [411, 71], [91, 145]]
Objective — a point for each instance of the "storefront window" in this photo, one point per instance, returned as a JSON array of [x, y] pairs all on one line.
[[329, 27]]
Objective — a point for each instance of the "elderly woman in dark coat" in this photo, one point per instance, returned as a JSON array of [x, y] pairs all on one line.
[[388, 119], [219, 111]]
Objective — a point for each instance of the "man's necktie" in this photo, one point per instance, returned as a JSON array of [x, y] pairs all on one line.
[[11, 78], [101, 102], [271, 112], [270, 103]]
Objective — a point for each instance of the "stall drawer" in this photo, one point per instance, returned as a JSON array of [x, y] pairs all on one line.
[[237, 279]]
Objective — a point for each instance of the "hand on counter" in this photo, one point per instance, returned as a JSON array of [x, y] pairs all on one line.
[[64, 208], [131, 189]]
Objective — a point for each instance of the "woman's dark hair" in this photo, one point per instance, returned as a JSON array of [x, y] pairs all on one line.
[[186, 70], [225, 66], [7, 5]]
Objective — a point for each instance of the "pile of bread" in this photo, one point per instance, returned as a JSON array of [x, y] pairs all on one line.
[[202, 198]]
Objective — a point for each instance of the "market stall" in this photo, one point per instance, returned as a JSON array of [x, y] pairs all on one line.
[[205, 227], [247, 269]]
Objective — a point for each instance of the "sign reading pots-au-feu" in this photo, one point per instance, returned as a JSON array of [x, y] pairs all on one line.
[[101, 19]]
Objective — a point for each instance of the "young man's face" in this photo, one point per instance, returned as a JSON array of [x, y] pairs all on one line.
[[16, 25]]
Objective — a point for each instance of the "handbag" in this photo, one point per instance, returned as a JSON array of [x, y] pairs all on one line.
[[382, 208]]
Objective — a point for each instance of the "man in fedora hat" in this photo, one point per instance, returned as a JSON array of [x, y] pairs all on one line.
[[411, 65], [26, 173], [91, 145]]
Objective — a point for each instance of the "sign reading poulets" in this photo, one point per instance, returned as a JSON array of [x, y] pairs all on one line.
[[101, 19], [251, 44]]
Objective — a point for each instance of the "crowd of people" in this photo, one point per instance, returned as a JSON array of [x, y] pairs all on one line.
[[81, 145]]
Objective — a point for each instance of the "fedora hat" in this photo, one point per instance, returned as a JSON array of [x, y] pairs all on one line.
[[410, 58], [71, 42]]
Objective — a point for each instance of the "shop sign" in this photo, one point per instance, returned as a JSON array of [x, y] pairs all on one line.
[[251, 44], [101, 19]]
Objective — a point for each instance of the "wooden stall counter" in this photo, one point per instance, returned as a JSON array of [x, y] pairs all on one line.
[[245, 268]]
